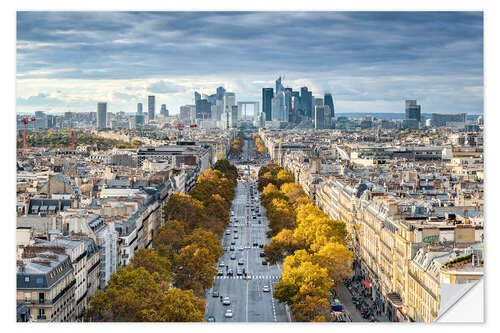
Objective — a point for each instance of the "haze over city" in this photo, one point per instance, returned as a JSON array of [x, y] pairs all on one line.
[[369, 61]]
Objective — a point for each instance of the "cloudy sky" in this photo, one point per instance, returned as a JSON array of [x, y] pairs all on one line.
[[369, 61]]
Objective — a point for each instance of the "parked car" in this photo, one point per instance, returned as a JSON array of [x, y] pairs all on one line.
[[264, 262], [211, 319], [229, 313], [266, 289], [226, 301], [221, 264], [215, 293], [262, 254]]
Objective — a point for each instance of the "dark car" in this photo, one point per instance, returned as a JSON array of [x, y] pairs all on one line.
[[262, 254], [264, 262], [233, 242], [215, 293], [255, 243], [261, 246], [230, 272]]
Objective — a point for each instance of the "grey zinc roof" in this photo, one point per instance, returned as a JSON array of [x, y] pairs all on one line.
[[40, 276]]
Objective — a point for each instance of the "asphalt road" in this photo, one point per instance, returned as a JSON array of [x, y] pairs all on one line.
[[249, 302]]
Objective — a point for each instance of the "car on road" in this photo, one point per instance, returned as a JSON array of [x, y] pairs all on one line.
[[230, 272], [211, 319], [236, 237], [220, 272], [255, 244], [233, 256], [231, 248], [228, 232], [266, 289], [229, 313], [264, 262], [233, 242], [241, 262], [235, 230], [215, 293], [239, 272], [226, 301], [261, 246], [240, 248], [221, 264], [262, 254]]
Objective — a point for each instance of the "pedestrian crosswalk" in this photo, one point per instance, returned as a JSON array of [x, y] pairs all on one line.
[[252, 277]]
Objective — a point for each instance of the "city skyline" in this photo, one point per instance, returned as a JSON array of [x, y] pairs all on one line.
[[369, 61]]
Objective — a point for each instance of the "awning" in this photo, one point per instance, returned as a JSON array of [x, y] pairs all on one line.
[[367, 284]]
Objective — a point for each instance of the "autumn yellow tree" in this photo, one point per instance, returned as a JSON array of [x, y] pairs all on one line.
[[151, 261], [195, 269], [185, 208]]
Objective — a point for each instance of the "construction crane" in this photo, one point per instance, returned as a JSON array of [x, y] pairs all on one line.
[[72, 140], [25, 122], [279, 149]]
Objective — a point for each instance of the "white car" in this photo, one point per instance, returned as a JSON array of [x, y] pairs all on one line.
[[266, 289], [229, 313]]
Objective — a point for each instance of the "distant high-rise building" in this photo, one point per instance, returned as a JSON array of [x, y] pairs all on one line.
[[329, 102], [151, 108], [164, 110], [41, 119], [220, 93], [101, 115], [279, 111], [197, 97], [306, 101], [267, 98], [234, 116], [212, 99], [320, 112], [185, 112], [439, 119], [139, 108], [139, 120], [412, 110], [318, 101], [51, 121], [203, 109], [279, 86], [229, 100]]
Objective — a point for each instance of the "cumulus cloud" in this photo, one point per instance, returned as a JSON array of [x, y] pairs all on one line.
[[164, 87], [365, 56], [41, 99]]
